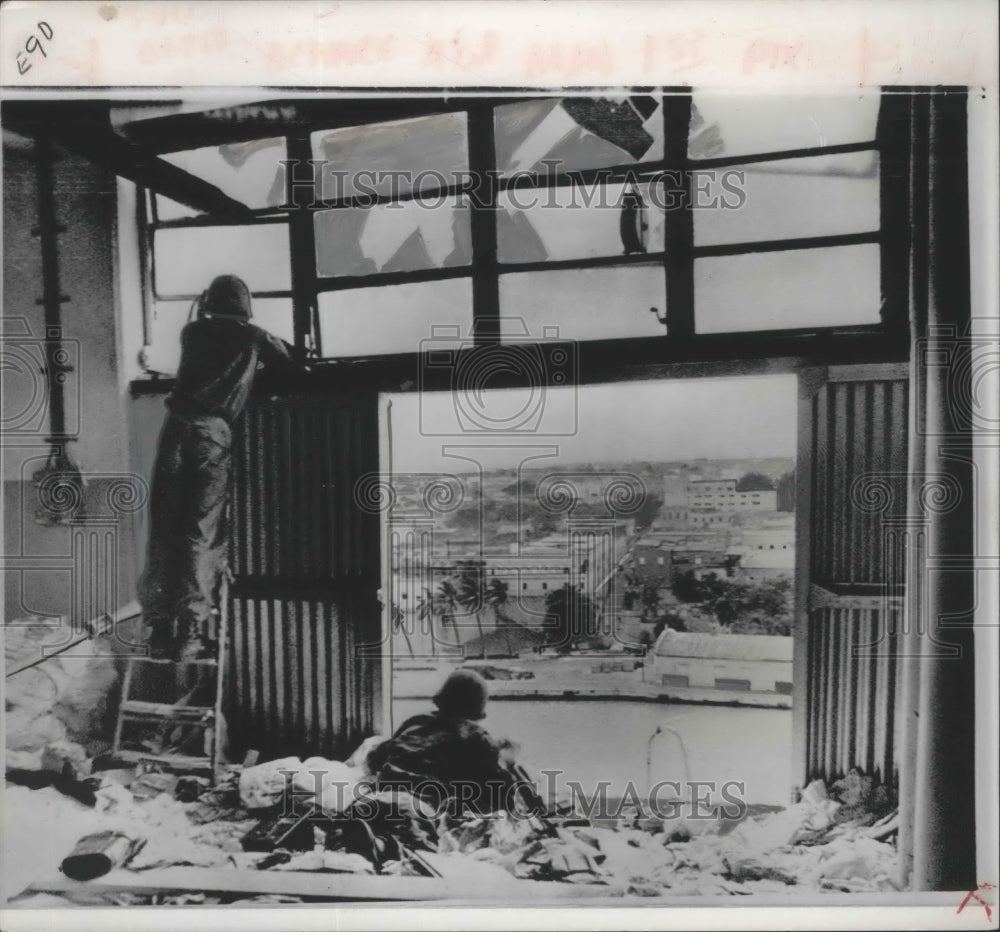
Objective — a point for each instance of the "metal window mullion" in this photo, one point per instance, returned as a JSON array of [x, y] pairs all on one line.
[[214, 220], [281, 293], [678, 220], [483, 220], [302, 244], [788, 245], [893, 132], [367, 201], [388, 279], [145, 260], [781, 155]]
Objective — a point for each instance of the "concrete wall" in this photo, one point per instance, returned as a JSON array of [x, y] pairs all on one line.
[[60, 570]]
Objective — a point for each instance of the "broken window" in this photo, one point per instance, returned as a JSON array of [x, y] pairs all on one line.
[[740, 124], [578, 221], [402, 237], [771, 222], [551, 136], [394, 158], [249, 172]]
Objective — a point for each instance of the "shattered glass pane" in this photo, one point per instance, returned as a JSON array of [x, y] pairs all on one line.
[[168, 318], [249, 172], [392, 158], [167, 209], [823, 196], [582, 304], [394, 319], [553, 136], [186, 259], [578, 222], [829, 287], [402, 237], [729, 124]]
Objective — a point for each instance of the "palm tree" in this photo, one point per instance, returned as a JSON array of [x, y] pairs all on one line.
[[426, 612], [470, 596], [496, 596], [571, 616], [447, 601], [649, 598]]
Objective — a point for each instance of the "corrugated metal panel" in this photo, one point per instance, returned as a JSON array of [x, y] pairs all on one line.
[[295, 470], [853, 693], [858, 472], [858, 462], [299, 682], [304, 661]]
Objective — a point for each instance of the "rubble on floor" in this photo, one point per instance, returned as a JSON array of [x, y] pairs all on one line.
[[842, 841], [56, 705]]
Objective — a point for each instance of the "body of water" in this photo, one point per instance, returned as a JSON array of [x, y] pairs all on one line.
[[607, 740]]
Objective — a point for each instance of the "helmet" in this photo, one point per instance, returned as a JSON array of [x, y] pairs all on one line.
[[463, 695], [227, 296]]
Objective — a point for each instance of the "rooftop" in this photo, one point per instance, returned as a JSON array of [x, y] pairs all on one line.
[[723, 646]]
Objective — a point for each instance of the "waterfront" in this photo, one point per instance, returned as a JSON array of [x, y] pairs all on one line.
[[595, 740]]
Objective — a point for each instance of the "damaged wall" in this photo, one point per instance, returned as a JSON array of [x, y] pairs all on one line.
[[85, 570]]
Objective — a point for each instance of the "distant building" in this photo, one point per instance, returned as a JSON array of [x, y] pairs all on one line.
[[672, 517], [761, 565], [653, 562], [768, 538], [721, 495], [660, 557], [701, 562], [735, 662], [709, 518]]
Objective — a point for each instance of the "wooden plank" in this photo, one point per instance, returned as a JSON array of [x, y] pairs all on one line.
[[205, 662], [135, 708], [322, 885], [252, 883], [177, 761], [805, 640]]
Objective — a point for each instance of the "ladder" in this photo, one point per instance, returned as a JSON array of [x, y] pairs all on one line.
[[177, 722]]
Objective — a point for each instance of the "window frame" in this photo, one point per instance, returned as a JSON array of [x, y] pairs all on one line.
[[885, 340]]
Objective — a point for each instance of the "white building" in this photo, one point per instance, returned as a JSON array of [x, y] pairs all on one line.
[[735, 662], [760, 565], [768, 539], [721, 495]]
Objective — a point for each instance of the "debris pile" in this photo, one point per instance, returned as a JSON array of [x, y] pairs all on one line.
[[59, 705], [837, 841]]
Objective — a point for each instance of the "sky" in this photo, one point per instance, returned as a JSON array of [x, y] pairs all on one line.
[[723, 418]]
